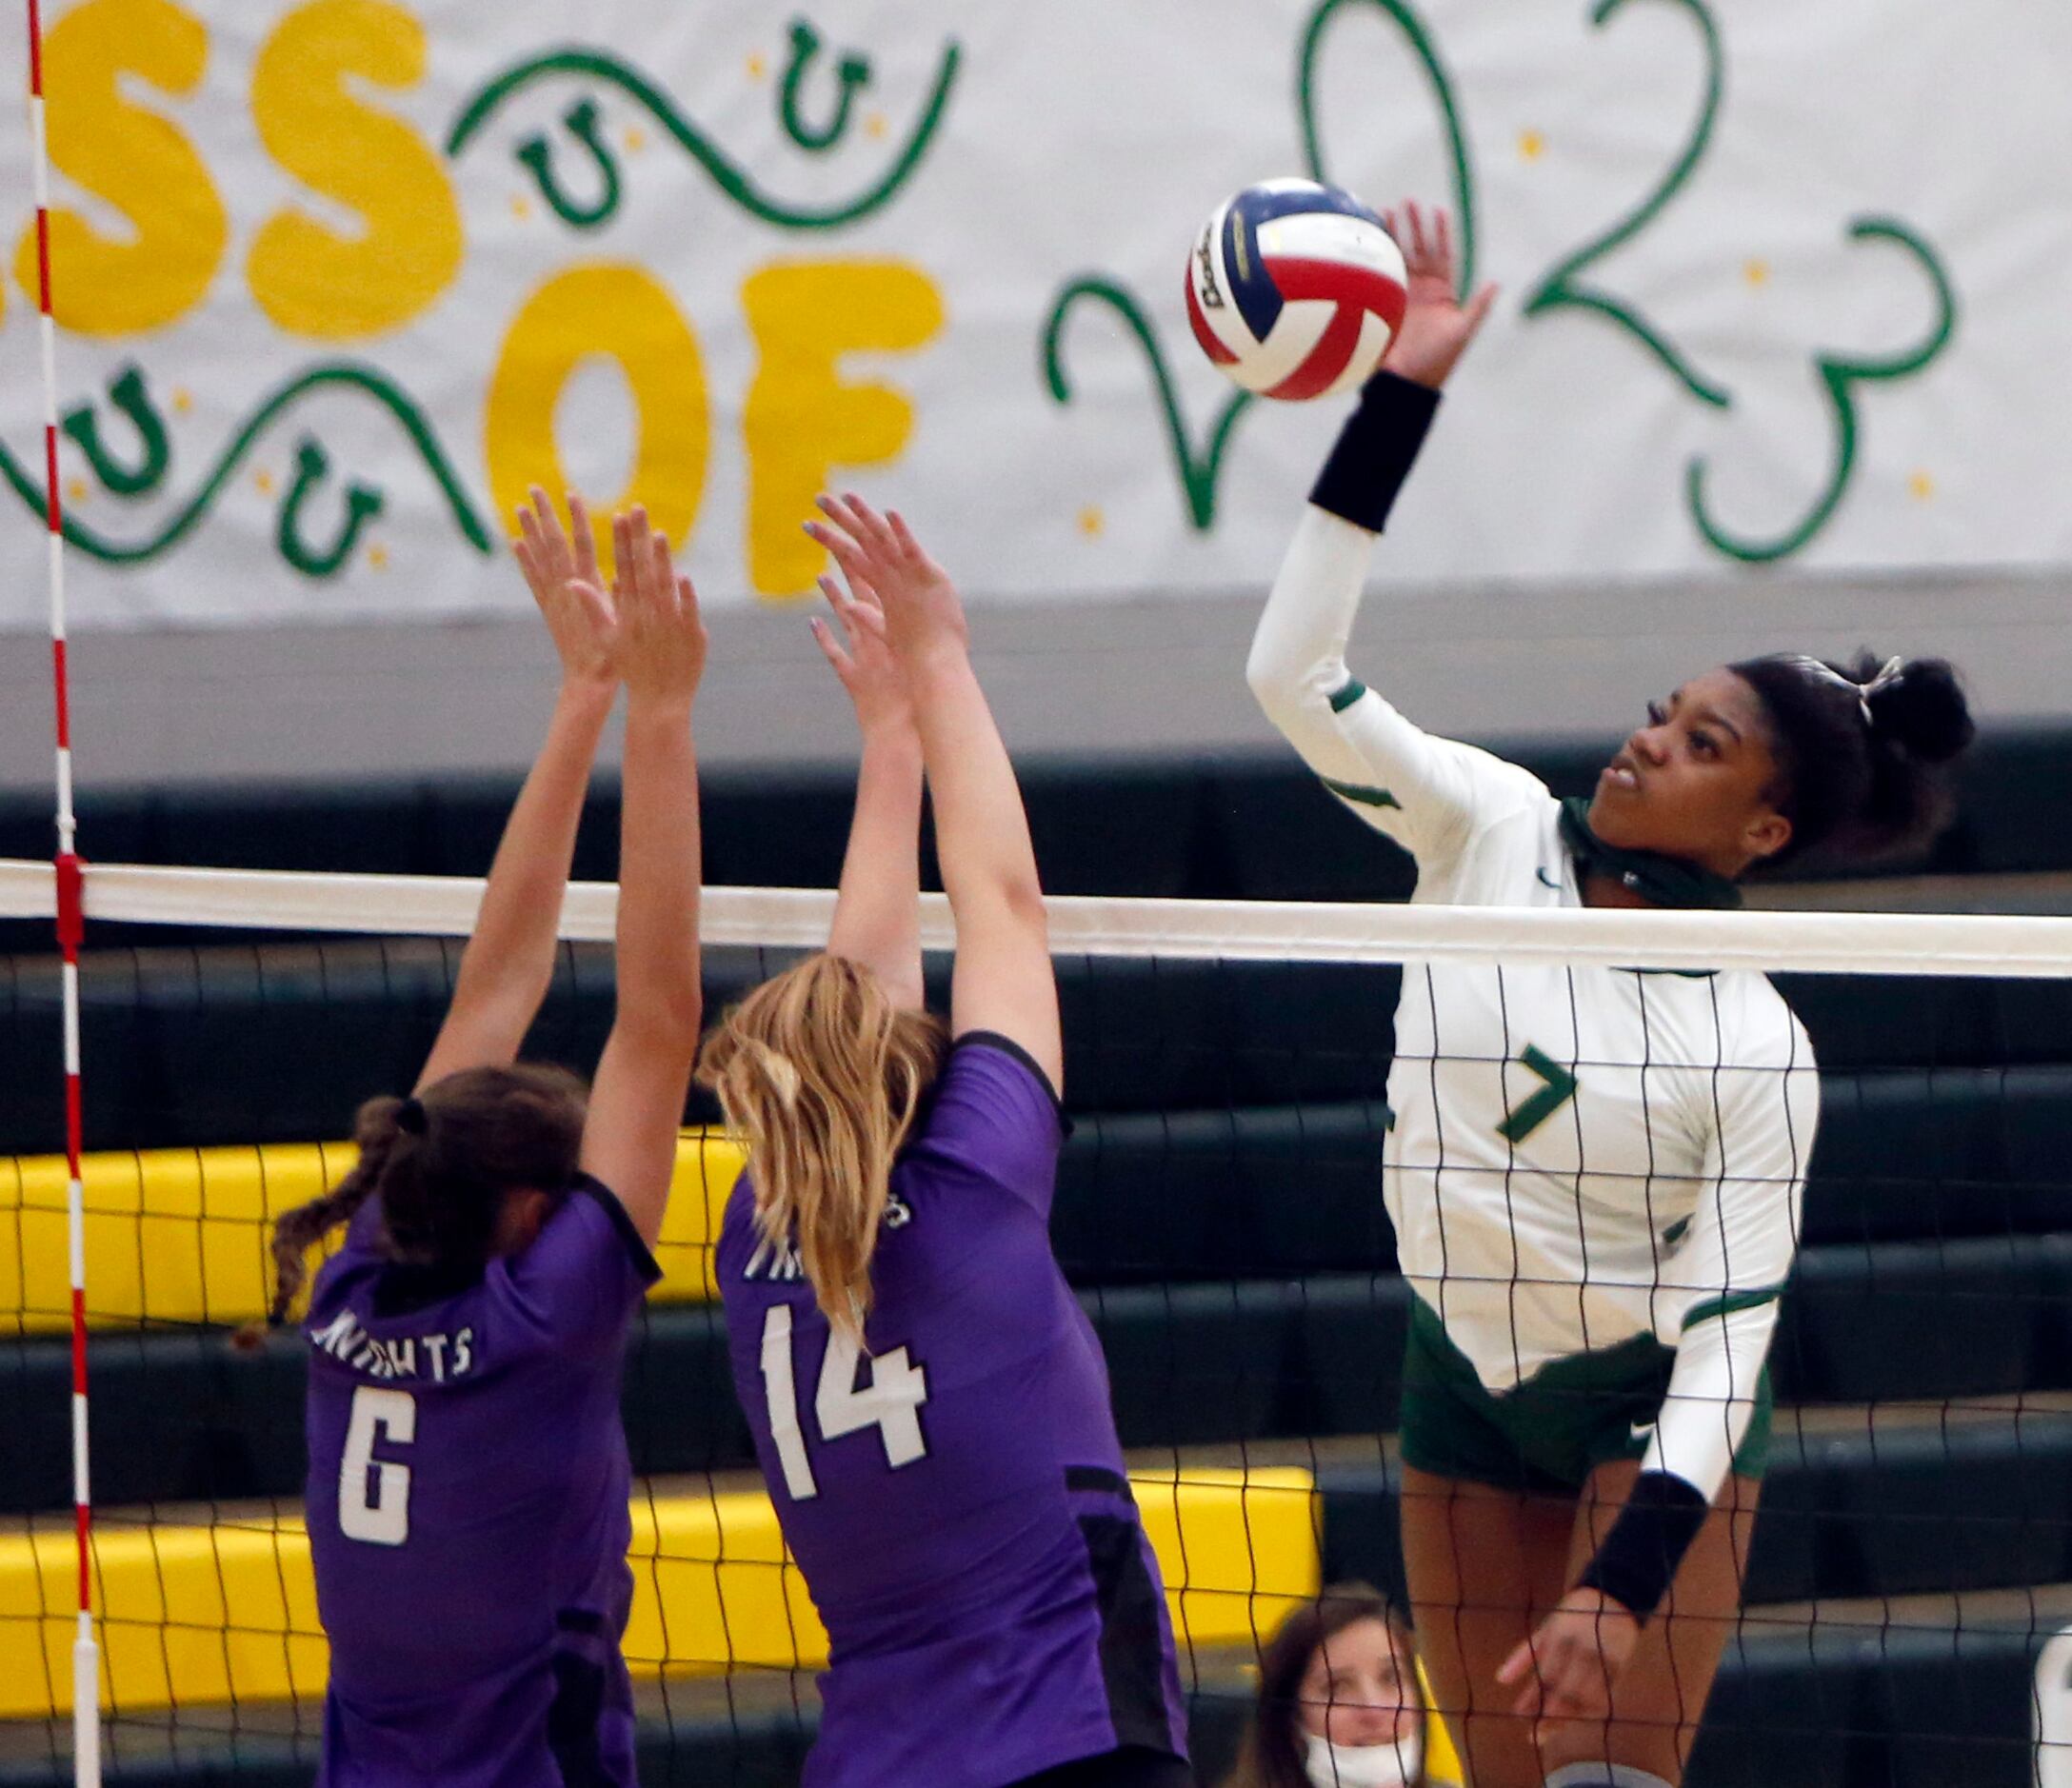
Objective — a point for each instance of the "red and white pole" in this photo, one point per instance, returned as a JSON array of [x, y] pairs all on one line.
[[70, 915]]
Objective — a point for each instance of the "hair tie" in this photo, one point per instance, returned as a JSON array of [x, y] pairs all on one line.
[[410, 1117], [1890, 672]]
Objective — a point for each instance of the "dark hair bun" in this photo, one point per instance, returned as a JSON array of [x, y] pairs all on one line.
[[1922, 711]]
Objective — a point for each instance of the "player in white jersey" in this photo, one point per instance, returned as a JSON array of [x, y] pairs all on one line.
[[1594, 1174]]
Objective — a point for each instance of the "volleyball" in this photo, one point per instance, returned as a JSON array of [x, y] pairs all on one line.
[[1295, 289]]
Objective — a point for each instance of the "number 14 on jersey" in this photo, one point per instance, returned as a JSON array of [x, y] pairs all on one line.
[[889, 1399]]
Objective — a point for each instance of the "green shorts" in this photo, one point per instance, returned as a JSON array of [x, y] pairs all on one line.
[[1549, 1435]]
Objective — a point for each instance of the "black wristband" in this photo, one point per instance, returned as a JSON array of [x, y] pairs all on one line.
[[1375, 451], [1639, 1559]]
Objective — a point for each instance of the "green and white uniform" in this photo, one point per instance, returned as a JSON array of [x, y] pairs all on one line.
[[1594, 1174]]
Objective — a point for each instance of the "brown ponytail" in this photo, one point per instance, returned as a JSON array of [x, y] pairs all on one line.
[[440, 1165]]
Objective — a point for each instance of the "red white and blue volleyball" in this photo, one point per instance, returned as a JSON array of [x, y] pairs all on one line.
[[1295, 289]]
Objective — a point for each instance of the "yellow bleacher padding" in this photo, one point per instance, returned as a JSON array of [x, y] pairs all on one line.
[[194, 1614], [182, 1235], [1442, 1768]]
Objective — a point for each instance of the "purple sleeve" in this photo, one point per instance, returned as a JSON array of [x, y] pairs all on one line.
[[995, 1117], [583, 1277]]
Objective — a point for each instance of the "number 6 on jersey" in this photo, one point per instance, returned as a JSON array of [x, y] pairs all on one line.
[[889, 1401], [375, 1494]]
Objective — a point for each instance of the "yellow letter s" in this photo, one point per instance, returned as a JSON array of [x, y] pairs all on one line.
[[308, 278], [136, 160]]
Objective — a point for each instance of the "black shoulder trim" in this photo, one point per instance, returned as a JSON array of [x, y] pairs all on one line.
[[1007, 1046], [642, 1256], [403, 1289], [1099, 1478]]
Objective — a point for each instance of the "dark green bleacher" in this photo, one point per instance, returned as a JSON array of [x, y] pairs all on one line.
[[1249, 826], [195, 1045]]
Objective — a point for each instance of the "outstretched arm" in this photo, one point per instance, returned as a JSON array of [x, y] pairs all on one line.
[[510, 959], [1003, 981], [637, 1100], [1422, 790], [877, 911]]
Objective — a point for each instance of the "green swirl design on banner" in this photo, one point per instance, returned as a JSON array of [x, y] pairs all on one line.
[[852, 74], [1840, 376], [1200, 476], [127, 392], [730, 176], [537, 154], [1425, 48], [317, 562], [1564, 289]]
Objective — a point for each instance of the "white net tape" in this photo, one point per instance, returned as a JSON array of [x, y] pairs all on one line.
[[1824, 943]]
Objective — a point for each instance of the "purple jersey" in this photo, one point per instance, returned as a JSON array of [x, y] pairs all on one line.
[[955, 1495], [467, 1507]]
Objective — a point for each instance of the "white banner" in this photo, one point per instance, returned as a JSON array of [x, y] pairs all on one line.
[[1783, 281]]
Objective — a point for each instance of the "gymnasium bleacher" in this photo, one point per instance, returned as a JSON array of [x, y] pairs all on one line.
[[1218, 1210]]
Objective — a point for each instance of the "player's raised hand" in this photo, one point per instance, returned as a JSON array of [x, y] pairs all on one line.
[[561, 571], [1437, 327], [659, 644], [922, 611], [1565, 1670], [862, 658]]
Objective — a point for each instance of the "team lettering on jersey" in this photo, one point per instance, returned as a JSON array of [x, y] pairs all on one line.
[[774, 1261], [438, 1356]]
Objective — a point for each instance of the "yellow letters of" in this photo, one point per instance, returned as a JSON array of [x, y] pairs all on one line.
[[621, 312], [305, 275], [132, 158], [800, 419]]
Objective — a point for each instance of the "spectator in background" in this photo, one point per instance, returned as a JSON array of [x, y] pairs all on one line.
[[1339, 1701]]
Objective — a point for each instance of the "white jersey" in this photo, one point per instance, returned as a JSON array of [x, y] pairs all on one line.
[[1578, 1156]]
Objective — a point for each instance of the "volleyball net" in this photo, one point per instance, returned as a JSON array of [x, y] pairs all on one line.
[[1220, 1214]]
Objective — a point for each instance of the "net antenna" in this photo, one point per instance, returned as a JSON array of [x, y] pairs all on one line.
[[70, 915]]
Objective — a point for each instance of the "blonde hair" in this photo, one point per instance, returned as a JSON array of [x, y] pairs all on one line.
[[822, 1076]]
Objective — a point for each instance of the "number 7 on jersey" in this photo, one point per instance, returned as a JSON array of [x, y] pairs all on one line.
[[889, 1401]]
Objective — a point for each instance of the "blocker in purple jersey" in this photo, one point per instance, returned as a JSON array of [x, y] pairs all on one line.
[[1296, 289], [954, 1493], [467, 1507]]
